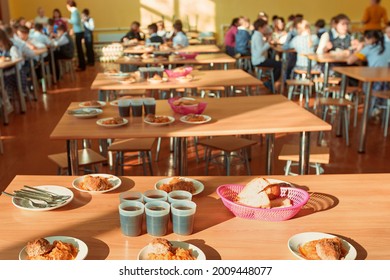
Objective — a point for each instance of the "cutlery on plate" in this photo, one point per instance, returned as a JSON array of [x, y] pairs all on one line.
[[54, 195], [34, 204], [34, 195]]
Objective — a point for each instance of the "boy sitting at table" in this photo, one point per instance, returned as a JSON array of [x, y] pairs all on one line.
[[64, 47], [153, 36], [134, 33], [243, 37]]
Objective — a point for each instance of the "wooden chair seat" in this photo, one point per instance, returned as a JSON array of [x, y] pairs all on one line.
[[86, 157], [293, 82], [317, 154], [227, 143], [348, 89], [332, 80], [342, 102], [132, 145], [382, 94]]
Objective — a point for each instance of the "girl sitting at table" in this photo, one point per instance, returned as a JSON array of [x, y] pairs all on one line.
[[259, 48], [243, 37], [377, 54], [279, 34], [8, 52], [180, 39], [230, 37]]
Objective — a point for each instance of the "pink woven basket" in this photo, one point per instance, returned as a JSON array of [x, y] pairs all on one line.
[[173, 74], [187, 109], [187, 55], [228, 193]]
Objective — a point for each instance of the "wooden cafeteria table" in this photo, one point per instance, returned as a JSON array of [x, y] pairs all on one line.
[[367, 75], [3, 66], [354, 207], [191, 49], [201, 59], [211, 78], [269, 114]]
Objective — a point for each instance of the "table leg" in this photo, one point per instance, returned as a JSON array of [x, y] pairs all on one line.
[[283, 72], [53, 65], [182, 155], [20, 89], [308, 69], [43, 74], [73, 157], [270, 139], [304, 153], [362, 138], [5, 97], [342, 93], [326, 76], [225, 66], [34, 78]]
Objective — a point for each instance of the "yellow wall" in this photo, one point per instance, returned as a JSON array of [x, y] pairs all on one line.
[[212, 14]]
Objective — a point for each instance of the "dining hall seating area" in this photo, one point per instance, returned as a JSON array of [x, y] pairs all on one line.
[[309, 128]]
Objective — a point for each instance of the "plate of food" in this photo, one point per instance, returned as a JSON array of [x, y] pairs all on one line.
[[112, 122], [185, 79], [43, 194], [320, 246], [195, 119], [92, 104], [127, 81], [96, 183], [157, 79], [180, 183], [85, 113], [163, 249], [54, 248], [158, 120]]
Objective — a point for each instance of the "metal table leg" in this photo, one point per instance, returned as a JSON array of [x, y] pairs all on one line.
[[34, 79], [270, 138], [342, 93], [20, 89], [5, 97], [326, 76], [304, 153], [73, 157], [53, 65], [43, 74], [362, 138], [283, 72], [182, 156]]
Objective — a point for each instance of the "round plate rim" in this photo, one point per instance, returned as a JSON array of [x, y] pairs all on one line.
[[208, 118]]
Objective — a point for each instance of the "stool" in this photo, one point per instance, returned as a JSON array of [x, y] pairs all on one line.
[[67, 64], [141, 145], [267, 72], [87, 157], [386, 109], [227, 144], [306, 86], [244, 62], [318, 156], [342, 105], [212, 91]]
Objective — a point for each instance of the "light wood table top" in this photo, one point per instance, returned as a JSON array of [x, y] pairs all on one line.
[[328, 57], [354, 207], [366, 74], [192, 48], [212, 78], [216, 58], [267, 114]]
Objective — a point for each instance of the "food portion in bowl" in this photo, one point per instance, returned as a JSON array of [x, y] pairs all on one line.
[[95, 183], [92, 103], [195, 118], [41, 249], [323, 249], [112, 121], [162, 249], [260, 193], [185, 102], [178, 184], [157, 119], [128, 80], [186, 78]]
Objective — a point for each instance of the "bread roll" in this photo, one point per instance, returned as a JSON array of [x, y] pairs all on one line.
[[273, 191], [253, 194]]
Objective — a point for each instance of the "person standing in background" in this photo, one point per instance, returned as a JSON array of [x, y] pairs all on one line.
[[374, 15], [89, 26], [78, 29], [41, 18], [58, 20]]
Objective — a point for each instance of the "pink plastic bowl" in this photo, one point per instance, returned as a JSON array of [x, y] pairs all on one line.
[[187, 109], [172, 74], [188, 55], [228, 194]]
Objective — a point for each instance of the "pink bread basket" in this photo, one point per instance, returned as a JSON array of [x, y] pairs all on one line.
[[173, 74], [187, 109], [228, 193]]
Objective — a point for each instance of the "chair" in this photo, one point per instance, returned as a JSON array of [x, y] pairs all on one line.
[[141, 145], [266, 72], [305, 89], [227, 144], [386, 109], [66, 65], [318, 156], [211, 91], [342, 105], [87, 157], [244, 62]]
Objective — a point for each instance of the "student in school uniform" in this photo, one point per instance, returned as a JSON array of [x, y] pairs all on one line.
[[320, 27], [38, 38], [89, 27], [230, 37], [64, 47], [161, 29], [387, 33], [243, 37], [377, 54], [153, 36], [134, 33], [259, 48], [78, 29], [179, 39]]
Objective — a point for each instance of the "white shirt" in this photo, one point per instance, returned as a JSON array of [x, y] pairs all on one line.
[[42, 20], [39, 39], [62, 41], [24, 50], [325, 38], [89, 24]]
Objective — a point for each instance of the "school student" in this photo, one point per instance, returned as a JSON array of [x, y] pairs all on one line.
[[243, 37], [230, 37], [134, 33], [78, 28], [153, 36], [64, 47], [179, 39], [89, 27]]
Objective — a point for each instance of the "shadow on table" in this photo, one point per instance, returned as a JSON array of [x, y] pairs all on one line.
[[361, 252], [210, 252], [97, 249], [127, 184], [79, 200]]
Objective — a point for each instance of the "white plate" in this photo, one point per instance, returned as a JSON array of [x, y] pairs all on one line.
[[199, 187], [206, 119], [184, 80], [86, 113], [85, 104], [25, 205], [153, 81], [81, 255], [171, 120], [301, 238], [196, 252], [115, 181], [100, 122]]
